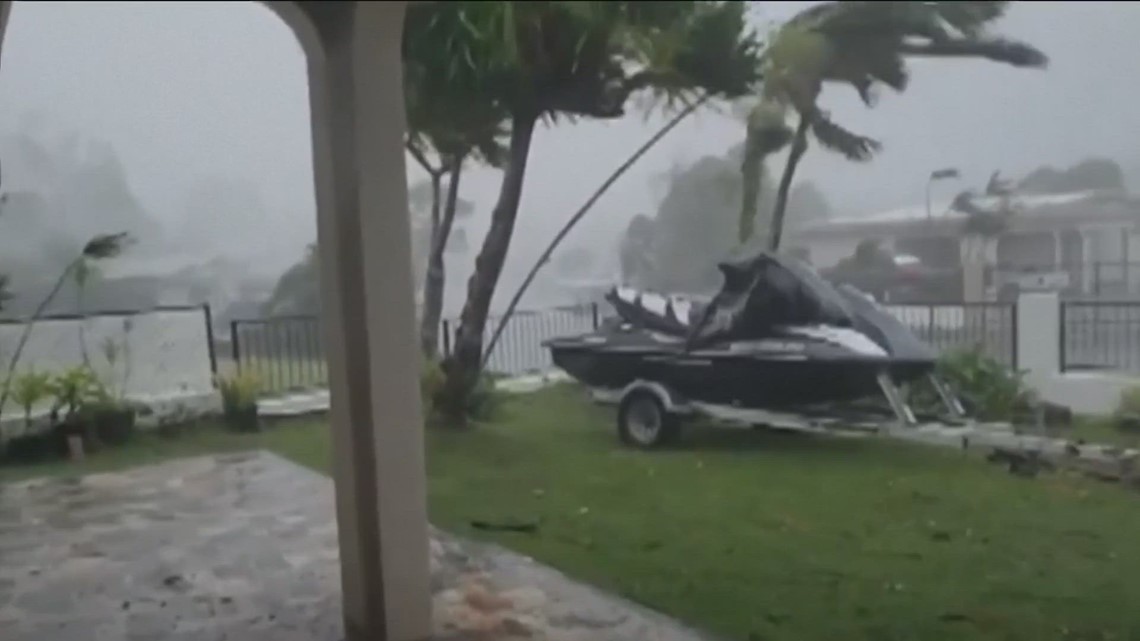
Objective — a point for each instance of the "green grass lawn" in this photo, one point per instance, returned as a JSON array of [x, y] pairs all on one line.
[[758, 535]]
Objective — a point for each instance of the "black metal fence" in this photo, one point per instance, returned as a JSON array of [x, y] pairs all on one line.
[[520, 350], [284, 353], [989, 326], [1116, 279], [287, 353], [1100, 335]]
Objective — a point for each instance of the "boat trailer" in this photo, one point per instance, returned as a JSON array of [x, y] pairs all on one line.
[[650, 414]]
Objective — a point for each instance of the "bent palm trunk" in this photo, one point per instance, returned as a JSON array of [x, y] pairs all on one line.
[[799, 146], [435, 276], [750, 194], [462, 368], [10, 371], [582, 211]]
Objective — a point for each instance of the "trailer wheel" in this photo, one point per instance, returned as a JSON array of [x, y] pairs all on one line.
[[643, 421]]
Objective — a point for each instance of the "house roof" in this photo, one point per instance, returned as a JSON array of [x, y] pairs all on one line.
[[1089, 206]]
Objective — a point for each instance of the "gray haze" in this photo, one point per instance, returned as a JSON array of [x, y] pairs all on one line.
[[195, 95]]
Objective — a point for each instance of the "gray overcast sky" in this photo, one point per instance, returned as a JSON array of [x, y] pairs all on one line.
[[185, 90]]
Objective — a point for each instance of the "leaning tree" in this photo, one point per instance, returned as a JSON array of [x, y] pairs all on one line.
[[443, 133], [864, 45]]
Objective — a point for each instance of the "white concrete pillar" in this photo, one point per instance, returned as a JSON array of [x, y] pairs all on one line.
[[1091, 271], [356, 96], [973, 250], [357, 103], [1039, 337]]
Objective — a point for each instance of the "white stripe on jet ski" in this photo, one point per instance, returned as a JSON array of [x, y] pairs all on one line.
[[681, 308], [627, 294], [845, 337], [654, 303]]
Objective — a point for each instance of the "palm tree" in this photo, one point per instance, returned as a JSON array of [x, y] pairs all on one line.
[[99, 248], [865, 45], [984, 223]]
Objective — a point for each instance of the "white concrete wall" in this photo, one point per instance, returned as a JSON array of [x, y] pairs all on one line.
[[1039, 356], [162, 362]]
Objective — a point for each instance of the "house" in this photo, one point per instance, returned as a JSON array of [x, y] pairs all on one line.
[[1086, 241]]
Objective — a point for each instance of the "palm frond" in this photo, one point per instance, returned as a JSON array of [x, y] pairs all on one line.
[[970, 18], [964, 202], [1012, 52], [996, 186], [834, 137], [106, 246]]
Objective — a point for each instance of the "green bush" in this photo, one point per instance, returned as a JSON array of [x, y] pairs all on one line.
[[990, 390], [482, 403], [1127, 414]]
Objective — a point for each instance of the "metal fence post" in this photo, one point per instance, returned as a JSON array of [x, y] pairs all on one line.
[[235, 348], [213, 349]]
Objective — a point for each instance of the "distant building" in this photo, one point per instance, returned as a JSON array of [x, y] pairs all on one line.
[[182, 280], [1090, 238]]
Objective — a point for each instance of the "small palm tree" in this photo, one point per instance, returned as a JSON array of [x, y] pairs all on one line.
[[864, 45], [101, 247]]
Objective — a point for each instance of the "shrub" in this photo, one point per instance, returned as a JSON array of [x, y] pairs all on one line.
[[74, 389], [1127, 414], [989, 389], [482, 403], [239, 400], [113, 419], [30, 389]]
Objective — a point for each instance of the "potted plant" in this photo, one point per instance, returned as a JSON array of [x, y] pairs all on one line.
[[112, 416], [239, 401], [112, 419], [74, 390], [28, 391]]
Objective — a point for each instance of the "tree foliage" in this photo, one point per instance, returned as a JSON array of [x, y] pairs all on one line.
[[864, 45], [581, 59], [695, 226], [61, 190], [566, 60], [451, 130], [298, 289], [1089, 174], [991, 218]]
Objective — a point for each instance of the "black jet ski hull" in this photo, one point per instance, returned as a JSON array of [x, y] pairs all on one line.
[[772, 381], [776, 336]]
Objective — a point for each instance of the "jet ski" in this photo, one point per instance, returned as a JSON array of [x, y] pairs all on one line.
[[776, 337]]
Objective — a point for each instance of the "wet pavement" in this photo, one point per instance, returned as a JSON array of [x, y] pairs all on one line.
[[244, 547]]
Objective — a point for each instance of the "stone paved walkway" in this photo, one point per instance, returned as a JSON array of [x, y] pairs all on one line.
[[243, 548]]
